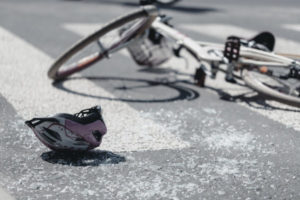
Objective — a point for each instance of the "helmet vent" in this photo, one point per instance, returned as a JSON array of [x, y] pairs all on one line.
[[97, 135], [52, 134]]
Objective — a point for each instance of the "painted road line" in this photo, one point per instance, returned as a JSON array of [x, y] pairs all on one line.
[[83, 29], [280, 112], [294, 27], [5, 196], [25, 85], [222, 31]]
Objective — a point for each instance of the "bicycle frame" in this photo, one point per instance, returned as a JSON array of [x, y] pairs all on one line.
[[246, 59], [213, 52]]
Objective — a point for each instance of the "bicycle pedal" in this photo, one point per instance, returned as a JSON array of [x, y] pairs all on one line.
[[295, 72], [232, 48]]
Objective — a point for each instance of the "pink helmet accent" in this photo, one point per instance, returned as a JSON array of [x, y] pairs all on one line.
[[86, 131]]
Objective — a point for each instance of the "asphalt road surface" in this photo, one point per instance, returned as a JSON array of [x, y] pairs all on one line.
[[167, 138]]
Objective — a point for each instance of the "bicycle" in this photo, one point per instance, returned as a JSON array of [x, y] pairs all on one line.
[[145, 33]]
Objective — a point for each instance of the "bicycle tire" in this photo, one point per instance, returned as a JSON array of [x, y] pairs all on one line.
[[147, 13], [251, 80]]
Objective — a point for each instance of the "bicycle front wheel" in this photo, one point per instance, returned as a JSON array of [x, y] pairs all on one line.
[[274, 87], [110, 38]]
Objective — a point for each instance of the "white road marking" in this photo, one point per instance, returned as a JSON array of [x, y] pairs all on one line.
[[83, 29], [5, 196], [25, 85], [220, 31], [294, 27]]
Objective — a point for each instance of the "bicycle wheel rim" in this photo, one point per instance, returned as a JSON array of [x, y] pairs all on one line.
[[88, 51], [272, 87]]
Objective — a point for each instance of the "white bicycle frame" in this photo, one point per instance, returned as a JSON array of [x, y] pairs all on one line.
[[212, 52]]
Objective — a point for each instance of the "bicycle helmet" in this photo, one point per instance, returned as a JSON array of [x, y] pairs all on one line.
[[65, 132]]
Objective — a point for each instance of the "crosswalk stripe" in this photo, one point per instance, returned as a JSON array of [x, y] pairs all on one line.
[[25, 85], [5, 196], [219, 31], [83, 29], [294, 27], [222, 31]]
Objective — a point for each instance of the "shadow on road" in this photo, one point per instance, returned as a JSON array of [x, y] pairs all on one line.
[[183, 92], [130, 85], [89, 158]]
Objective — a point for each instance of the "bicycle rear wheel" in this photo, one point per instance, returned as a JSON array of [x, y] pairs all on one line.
[[110, 38], [284, 91]]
